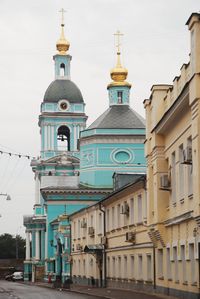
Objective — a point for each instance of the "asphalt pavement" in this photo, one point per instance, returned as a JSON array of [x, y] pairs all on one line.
[[40, 290], [17, 290]]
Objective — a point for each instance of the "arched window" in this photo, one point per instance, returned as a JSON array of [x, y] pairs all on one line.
[[63, 138], [62, 70]]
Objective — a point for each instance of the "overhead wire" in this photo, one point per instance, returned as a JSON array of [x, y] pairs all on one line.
[[18, 175], [4, 173], [11, 175]]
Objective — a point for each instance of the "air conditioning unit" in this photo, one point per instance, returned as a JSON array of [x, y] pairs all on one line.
[[125, 209], [164, 182], [83, 224], [130, 237], [78, 247], [187, 155], [91, 230], [103, 240]]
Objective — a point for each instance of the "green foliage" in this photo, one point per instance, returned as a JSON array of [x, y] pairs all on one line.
[[11, 247]]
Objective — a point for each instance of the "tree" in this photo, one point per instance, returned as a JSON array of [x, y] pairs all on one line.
[[11, 247]]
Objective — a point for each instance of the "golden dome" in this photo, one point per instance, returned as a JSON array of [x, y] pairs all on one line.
[[62, 44], [119, 73]]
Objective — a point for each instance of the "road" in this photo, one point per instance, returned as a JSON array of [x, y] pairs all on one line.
[[14, 290]]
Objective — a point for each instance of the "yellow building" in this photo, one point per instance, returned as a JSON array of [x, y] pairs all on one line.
[[146, 235], [173, 175], [110, 240]]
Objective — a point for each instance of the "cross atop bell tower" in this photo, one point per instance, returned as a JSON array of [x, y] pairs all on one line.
[[117, 36], [62, 11]]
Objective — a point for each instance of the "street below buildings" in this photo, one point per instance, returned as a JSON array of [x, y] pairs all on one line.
[[14, 290], [20, 290]]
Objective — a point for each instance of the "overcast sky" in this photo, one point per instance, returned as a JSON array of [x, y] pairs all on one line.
[[156, 43]]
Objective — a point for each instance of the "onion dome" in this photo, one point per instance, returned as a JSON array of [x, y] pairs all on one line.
[[62, 44], [119, 73]]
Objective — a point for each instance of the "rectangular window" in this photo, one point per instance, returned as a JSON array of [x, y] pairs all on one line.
[[183, 261], [139, 208], [79, 228], [92, 221], [79, 267], [140, 265], [126, 215], [119, 97], [145, 207], [113, 267], [119, 267], [113, 217], [84, 268], [132, 267], [149, 267], [160, 263], [173, 177], [192, 264], [118, 216], [169, 268], [181, 172], [108, 219], [108, 267], [66, 243], [74, 229], [84, 227], [100, 223], [125, 267], [132, 211], [189, 171], [175, 257]]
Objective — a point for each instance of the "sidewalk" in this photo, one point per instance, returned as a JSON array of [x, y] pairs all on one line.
[[107, 292]]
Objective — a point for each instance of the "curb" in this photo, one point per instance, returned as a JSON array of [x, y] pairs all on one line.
[[156, 295]]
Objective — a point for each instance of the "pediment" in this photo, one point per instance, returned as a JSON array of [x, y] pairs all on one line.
[[63, 160]]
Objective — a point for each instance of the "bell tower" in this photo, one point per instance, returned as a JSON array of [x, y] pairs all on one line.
[[63, 109], [118, 89]]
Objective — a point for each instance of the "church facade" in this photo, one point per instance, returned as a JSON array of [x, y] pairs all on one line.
[[76, 164]]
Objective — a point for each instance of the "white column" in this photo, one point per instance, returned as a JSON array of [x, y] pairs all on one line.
[[28, 251], [48, 137], [37, 189], [75, 138], [78, 131], [52, 137], [37, 245], [45, 137]]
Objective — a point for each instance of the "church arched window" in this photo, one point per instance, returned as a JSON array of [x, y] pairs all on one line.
[[62, 70], [63, 138], [119, 96]]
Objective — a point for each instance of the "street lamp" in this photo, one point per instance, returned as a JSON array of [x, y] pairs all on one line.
[[7, 196], [16, 243]]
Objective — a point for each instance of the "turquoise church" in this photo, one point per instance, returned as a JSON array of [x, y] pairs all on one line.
[[76, 164]]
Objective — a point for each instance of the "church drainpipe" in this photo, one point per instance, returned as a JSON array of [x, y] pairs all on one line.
[[154, 267], [199, 264], [70, 238], [104, 246]]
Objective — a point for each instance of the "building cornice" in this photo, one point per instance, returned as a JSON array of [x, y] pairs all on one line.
[[181, 103], [179, 219]]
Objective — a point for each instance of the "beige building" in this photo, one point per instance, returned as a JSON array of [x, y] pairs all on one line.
[[173, 175], [110, 240], [146, 235]]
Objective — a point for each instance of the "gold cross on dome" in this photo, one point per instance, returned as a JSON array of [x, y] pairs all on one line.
[[62, 15], [117, 35]]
